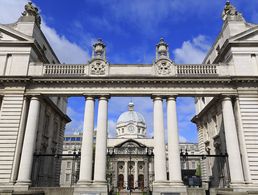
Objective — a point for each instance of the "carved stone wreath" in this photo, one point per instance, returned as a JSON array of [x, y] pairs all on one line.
[[98, 68], [164, 68]]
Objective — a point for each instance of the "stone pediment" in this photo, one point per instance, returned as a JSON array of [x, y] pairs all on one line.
[[246, 36], [130, 143], [10, 35]]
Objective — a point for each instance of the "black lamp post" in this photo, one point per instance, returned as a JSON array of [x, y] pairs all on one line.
[[110, 153]]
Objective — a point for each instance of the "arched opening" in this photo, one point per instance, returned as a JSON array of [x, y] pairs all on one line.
[[131, 182], [141, 182], [120, 182]]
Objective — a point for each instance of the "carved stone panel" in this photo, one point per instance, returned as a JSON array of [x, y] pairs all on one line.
[[98, 67], [164, 68]]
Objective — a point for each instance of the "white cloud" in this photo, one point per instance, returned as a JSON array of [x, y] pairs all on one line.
[[10, 11], [192, 51], [148, 14], [66, 51], [182, 139], [111, 128], [76, 125]]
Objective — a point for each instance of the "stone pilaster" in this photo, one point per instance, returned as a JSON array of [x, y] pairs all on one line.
[[126, 174], [136, 174]]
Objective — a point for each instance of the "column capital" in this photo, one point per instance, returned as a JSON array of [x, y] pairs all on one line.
[[226, 98], [157, 97], [171, 97], [34, 98], [104, 97], [89, 97]]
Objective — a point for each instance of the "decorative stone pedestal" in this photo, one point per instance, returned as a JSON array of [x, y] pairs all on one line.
[[165, 188], [91, 189]]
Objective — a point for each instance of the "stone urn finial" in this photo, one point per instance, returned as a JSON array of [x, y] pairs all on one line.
[[162, 49]]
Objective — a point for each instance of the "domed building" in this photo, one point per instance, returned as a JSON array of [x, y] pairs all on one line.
[[130, 154], [131, 124]]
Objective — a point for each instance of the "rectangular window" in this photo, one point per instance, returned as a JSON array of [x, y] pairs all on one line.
[[67, 177], [193, 165], [68, 165]]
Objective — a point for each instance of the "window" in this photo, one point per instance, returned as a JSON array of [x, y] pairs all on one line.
[[193, 165], [139, 130], [46, 124], [67, 138], [68, 165], [67, 177]]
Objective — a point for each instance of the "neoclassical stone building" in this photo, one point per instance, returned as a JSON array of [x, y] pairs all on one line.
[[130, 162], [34, 86]]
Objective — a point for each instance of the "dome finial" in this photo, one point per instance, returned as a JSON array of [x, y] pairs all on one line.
[[131, 106]]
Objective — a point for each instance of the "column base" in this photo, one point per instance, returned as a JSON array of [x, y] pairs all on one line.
[[92, 188], [176, 183], [162, 187], [23, 185], [83, 183]]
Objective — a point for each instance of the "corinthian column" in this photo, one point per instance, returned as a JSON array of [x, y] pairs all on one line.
[[101, 142], [159, 141], [234, 159], [24, 176], [87, 142], [173, 143]]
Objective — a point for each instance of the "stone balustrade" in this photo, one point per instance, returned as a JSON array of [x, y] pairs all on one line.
[[197, 69], [180, 70], [64, 69]]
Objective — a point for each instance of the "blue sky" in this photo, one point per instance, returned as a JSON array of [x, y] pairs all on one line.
[[131, 29]]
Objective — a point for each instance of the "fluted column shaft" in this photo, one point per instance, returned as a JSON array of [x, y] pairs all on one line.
[[173, 142], [87, 142], [159, 141], [101, 142], [24, 176], [234, 159]]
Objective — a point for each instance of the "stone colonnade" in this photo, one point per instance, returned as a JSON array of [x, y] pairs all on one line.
[[159, 142], [24, 175]]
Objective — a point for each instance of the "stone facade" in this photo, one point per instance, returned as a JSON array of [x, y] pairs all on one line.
[[34, 86], [70, 165], [22, 47]]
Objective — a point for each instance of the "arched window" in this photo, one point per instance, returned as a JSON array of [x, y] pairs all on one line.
[[120, 182]]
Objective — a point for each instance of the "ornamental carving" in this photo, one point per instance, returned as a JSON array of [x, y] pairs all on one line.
[[31, 10], [164, 68], [98, 68]]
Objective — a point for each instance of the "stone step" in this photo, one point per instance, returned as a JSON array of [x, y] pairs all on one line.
[[28, 193]]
